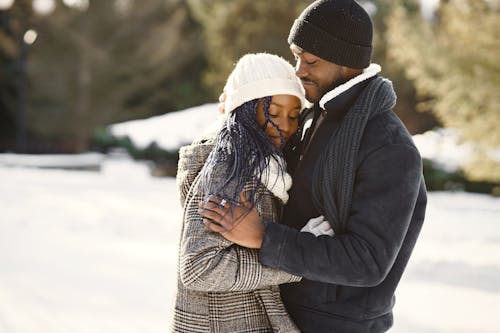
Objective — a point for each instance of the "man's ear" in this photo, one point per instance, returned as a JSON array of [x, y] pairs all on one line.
[[348, 72]]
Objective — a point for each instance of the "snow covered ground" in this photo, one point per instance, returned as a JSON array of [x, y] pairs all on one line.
[[96, 252]]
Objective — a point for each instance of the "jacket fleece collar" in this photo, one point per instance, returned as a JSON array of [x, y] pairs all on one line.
[[367, 73]]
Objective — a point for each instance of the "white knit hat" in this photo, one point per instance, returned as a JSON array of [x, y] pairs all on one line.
[[259, 75]]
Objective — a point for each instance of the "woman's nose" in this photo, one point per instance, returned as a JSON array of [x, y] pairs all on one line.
[[284, 126]]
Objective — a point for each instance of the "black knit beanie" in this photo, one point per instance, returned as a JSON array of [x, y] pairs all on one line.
[[339, 31]]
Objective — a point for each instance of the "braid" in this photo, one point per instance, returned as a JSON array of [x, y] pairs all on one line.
[[265, 106], [241, 154]]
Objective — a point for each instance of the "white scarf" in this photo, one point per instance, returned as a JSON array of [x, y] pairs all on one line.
[[276, 181]]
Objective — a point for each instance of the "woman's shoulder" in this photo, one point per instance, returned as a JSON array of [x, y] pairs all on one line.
[[191, 160], [197, 148], [194, 154]]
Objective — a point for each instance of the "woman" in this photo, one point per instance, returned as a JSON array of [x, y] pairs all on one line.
[[221, 286]]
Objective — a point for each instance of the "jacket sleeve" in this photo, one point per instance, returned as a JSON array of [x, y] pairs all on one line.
[[385, 192], [191, 161], [209, 262]]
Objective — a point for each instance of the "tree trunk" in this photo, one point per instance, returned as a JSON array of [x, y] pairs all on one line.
[[82, 102]]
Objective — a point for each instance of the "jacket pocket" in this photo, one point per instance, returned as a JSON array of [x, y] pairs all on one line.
[[317, 292]]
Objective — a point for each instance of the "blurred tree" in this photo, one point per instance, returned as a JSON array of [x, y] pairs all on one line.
[[14, 24], [7, 86], [234, 28], [416, 122], [453, 60], [99, 62]]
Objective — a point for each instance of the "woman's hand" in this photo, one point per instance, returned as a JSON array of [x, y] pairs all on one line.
[[239, 224]]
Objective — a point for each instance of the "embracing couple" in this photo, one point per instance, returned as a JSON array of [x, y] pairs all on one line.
[[300, 219]]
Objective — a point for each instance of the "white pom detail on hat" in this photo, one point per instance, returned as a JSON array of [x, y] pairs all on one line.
[[258, 75]]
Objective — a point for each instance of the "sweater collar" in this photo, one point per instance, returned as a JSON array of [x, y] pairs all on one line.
[[367, 73]]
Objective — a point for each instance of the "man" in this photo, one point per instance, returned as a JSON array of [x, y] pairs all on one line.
[[356, 165]]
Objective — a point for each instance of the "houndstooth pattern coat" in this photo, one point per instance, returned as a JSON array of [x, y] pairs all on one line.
[[222, 287]]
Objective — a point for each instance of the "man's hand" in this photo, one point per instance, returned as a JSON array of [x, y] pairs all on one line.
[[239, 224]]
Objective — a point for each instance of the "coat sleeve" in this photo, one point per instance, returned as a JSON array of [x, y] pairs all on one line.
[[191, 161], [385, 193], [209, 262]]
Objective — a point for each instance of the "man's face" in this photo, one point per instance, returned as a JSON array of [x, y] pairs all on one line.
[[318, 76]]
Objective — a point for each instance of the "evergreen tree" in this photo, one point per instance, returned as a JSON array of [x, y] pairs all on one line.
[[234, 28], [13, 75], [107, 62], [416, 122], [453, 60]]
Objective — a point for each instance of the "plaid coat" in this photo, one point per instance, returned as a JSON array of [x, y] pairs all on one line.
[[222, 287]]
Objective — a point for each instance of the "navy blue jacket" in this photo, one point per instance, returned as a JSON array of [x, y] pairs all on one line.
[[350, 279]]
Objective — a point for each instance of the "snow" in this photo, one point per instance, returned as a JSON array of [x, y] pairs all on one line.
[[85, 251], [169, 131], [452, 281], [64, 161], [428, 8], [96, 252], [443, 147]]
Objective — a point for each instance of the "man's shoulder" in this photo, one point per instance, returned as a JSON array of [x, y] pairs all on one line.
[[386, 129]]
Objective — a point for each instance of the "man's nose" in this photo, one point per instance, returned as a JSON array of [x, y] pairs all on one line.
[[300, 69]]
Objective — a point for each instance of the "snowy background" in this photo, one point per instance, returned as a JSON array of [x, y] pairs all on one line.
[[85, 251]]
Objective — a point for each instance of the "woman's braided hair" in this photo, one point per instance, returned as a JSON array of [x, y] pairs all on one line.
[[244, 150]]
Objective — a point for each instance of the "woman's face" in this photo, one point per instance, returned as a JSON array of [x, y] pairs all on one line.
[[283, 112]]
